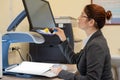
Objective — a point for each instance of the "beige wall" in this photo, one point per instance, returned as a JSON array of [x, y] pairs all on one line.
[[111, 33], [10, 8], [68, 7]]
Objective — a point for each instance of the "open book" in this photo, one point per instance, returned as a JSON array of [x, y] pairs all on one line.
[[33, 68]]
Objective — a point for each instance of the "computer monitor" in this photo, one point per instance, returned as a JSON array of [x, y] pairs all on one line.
[[39, 14]]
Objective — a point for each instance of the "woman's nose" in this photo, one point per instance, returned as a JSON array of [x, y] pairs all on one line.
[[78, 19]]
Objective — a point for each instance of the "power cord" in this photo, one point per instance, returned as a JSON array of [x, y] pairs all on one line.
[[17, 49], [29, 57]]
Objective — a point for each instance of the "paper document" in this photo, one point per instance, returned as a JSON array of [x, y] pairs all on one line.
[[34, 68]]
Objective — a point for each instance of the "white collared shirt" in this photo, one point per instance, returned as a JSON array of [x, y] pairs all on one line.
[[86, 40]]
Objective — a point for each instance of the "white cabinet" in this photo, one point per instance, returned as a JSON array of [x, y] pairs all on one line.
[[0, 56]]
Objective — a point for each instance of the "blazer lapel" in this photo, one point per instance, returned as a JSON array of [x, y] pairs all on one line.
[[96, 34]]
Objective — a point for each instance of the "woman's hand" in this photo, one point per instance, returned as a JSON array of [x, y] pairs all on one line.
[[56, 70], [61, 34]]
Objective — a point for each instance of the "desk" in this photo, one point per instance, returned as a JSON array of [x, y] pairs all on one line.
[[70, 68], [34, 78]]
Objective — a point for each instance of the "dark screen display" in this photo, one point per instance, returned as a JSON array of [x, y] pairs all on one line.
[[39, 14]]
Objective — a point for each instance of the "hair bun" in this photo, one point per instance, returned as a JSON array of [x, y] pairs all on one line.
[[108, 14]]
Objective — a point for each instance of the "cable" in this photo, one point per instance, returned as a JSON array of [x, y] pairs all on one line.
[[17, 49], [29, 57], [20, 55]]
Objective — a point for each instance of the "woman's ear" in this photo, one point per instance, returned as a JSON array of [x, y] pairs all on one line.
[[91, 22]]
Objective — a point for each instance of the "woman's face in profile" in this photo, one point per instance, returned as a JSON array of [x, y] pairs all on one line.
[[83, 20]]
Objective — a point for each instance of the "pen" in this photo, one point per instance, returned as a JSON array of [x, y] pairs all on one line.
[[47, 70], [55, 30], [56, 65]]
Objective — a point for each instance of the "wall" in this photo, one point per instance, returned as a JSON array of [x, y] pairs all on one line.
[[10, 8], [71, 8], [111, 33]]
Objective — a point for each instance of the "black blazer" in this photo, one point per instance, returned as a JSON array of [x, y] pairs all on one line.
[[93, 62]]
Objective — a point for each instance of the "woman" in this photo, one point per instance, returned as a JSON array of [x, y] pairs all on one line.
[[94, 61]]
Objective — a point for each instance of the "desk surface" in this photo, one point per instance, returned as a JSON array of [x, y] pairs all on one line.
[[34, 78], [70, 68]]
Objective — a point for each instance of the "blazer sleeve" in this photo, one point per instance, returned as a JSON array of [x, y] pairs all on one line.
[[68, 52]]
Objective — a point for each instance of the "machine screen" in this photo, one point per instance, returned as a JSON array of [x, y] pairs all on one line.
[[39, 14]]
